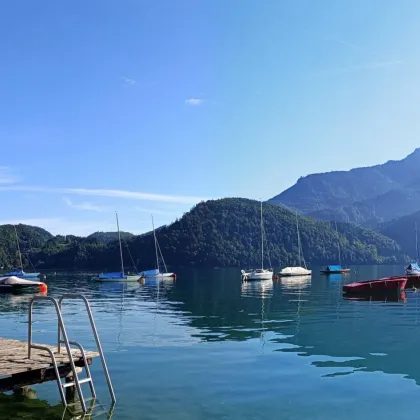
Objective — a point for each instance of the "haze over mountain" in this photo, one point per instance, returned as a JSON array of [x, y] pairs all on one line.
[[366, 196]]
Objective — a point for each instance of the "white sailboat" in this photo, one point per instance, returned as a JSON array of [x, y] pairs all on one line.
[[413, 269], [259, 273], [156, 273], [297, 271], [119, 275], [20, 273]]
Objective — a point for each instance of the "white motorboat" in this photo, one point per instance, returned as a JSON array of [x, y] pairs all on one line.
[[15, 283]]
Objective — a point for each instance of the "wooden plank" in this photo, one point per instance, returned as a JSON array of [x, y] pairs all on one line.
[[14, 357], [39, 376]]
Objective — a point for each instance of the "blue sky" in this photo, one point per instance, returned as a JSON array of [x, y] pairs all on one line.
[[150, 106]]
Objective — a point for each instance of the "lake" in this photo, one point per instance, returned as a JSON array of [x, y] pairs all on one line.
[[210, 347]]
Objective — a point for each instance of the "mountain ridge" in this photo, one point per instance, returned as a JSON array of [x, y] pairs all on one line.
[[364, 195]]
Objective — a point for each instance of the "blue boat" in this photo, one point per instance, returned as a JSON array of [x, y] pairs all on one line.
[[335, 269], [22, 275], [117, 275]]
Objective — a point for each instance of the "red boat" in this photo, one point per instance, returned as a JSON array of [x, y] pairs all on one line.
[[383, 285]]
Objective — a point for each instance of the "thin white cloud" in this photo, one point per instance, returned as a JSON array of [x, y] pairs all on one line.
[[194, 101], [7, 176], [133, 195], [371, 66], [128, 81], [85, 206]]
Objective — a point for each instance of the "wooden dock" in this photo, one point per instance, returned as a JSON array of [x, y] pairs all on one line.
[[17, 371]]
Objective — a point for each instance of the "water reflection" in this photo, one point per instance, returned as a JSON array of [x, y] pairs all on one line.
[[296, 283], [259, 289], [211, 316]]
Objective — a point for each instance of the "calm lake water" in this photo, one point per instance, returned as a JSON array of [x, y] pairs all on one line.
[[209, 347]]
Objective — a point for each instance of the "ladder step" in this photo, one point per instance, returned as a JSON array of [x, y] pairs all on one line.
[[82, 381]]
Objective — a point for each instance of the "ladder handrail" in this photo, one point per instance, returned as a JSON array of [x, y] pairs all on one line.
[[95, 333], [63, 331]]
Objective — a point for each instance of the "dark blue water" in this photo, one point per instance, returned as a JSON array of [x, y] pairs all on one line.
[[210, 347]]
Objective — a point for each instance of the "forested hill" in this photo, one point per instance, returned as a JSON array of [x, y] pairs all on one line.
[[31, 240], [107, 237], [222, 233]]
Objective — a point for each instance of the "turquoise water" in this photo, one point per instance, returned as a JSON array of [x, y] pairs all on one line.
[[209, 347]]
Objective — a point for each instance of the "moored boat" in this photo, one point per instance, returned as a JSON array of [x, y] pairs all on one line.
[[297, 271], [119, 275], [156, 273], [15, 283], [294, 272], [413, 270], [335, 269], [258, 273], [386, 284]]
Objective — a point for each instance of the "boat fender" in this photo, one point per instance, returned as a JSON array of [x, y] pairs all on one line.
[[43, 288]]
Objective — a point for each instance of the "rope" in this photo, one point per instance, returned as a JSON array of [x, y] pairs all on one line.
[[161, 255], [129, 253]]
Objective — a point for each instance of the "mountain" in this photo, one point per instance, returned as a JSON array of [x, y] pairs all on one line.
[[366, 196], [107, 237], [226, 233], [31, 239], [402, 230]]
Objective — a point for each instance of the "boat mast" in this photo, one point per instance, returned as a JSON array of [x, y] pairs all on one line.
[[262, 241], [338, 243], [119, 240], [156, 250], [298, 237], [417, 242], [18, 247]]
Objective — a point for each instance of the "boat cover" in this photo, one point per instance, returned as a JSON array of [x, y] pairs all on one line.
[[334, 268], [413, 267], [15, 273], [154, 272], [16, 281], [116, 275]]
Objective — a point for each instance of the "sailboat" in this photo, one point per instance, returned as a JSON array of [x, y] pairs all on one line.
[[336, 269], [156, 273], [297, 271], [413, 269], [259, 273], [20, 273], [119, 275]]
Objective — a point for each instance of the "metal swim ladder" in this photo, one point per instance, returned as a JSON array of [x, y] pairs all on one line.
[[63, 339]]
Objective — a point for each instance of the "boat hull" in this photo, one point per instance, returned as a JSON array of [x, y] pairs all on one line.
[[117, 279], [256, 276], [295, 272], [343, 271], [11, 283], [385, 285], [158, 275]]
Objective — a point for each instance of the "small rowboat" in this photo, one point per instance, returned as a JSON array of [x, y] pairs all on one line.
[[386, 284]]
